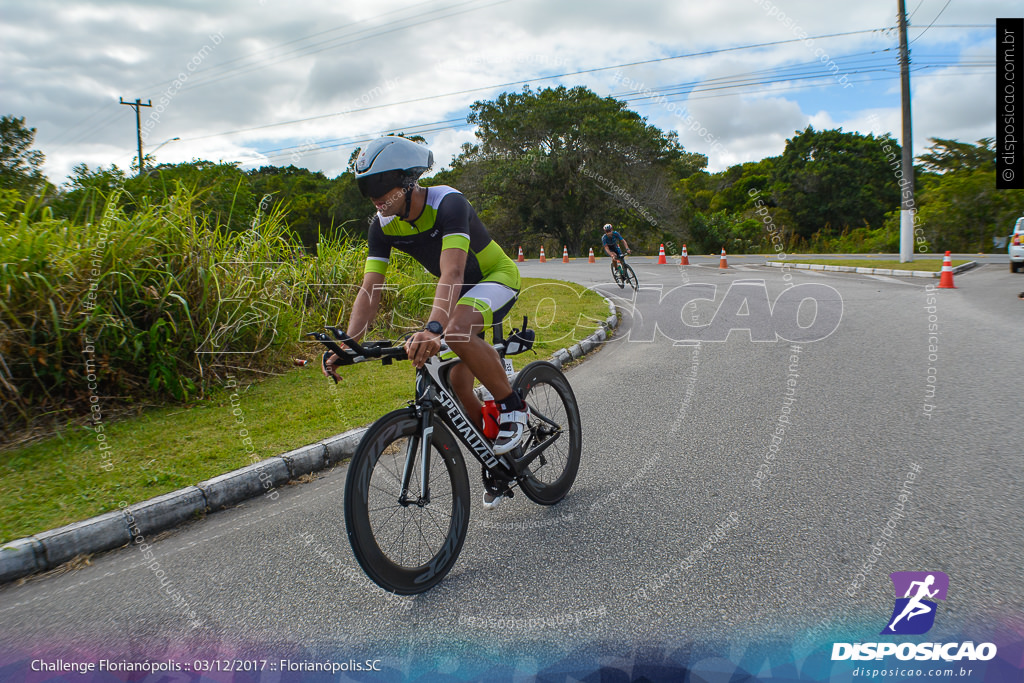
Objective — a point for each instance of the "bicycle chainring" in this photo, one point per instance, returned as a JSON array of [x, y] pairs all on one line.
[[493, 485]]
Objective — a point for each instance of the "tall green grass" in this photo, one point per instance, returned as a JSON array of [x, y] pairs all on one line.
[[120, 310]]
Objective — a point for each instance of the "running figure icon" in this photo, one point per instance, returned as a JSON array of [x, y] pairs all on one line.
[[915, 607], [918, 590]]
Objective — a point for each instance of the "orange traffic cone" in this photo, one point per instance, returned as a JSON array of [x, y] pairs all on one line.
[[520, 259], [661, 254], [722, 263], [565, 254], [685, 261], [591, 259], [542, 259], [946, 278]]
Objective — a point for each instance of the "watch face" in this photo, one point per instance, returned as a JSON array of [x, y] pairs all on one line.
[[435, 327]]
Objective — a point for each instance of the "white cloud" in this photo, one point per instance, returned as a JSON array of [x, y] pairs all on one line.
[[67, 63]]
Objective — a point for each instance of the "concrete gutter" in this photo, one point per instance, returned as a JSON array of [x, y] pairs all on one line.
[[50, 549], [868, 271]]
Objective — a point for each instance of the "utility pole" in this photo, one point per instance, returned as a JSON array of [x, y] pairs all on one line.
[[907, 206], [138, 121]]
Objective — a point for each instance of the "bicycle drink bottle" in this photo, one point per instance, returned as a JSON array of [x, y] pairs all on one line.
[[491, 413]]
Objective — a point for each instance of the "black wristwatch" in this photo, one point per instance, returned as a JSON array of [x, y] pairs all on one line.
[[435, 327]]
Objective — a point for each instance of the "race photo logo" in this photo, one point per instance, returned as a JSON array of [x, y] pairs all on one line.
[[913, 614]]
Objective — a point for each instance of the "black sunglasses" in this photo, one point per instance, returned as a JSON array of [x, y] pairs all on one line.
[[379, 184]]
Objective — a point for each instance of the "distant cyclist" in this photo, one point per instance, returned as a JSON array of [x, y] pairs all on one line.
[[477, 282], [610, 242]]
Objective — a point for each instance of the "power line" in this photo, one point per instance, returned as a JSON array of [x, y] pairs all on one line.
[[785, 73], [734, 82], [736, 79], [221, 65], [531, 80], [356, 140], [915, 10], [933, 22], [408, 22]]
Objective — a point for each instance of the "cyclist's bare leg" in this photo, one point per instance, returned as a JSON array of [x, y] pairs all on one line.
[[461, 379], [477, 355]]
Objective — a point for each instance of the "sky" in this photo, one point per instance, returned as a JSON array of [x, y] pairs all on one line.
[[270, 82]]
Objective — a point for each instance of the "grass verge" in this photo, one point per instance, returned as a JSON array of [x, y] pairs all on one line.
[[61, 479]]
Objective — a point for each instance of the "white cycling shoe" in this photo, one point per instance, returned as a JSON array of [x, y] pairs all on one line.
[[492, 500], [512, 430]]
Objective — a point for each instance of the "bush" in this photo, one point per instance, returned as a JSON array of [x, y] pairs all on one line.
[[121, 310]]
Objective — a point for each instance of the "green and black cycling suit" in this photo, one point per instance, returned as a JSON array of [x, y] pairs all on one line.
[[448, 221]]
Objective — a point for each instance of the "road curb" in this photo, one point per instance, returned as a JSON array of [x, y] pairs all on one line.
[[50, 549], [868, 271]]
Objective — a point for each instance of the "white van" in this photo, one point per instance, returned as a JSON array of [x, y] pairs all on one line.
[[1016, 246]]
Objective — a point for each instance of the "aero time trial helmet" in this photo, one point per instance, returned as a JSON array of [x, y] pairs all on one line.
[[390, 162]]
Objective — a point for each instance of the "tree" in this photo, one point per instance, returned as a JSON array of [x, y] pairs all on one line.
[[87, 192], [302, 193], [19, 163], [960, 207], [830, 180], [951, 155], [559, 163], [222, 193]]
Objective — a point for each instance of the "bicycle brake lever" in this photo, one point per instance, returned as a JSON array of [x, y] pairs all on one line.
[[323, 364]]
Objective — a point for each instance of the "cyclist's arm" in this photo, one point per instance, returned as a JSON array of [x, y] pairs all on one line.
[[453, 268], [625, 243], [364, 310], [424, 344], [454, 217]]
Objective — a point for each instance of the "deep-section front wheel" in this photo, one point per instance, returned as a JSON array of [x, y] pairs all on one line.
[[554, 426], [631, 277], [404, 541]]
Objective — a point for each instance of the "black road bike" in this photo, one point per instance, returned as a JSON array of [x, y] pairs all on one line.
[[623, 273], [407, 496]]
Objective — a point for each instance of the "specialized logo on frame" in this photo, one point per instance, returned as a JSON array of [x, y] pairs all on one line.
[[915, 608]]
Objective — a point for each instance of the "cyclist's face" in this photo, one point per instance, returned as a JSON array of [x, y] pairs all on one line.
[[391, 202]]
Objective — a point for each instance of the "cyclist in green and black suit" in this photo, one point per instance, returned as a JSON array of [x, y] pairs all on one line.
[[477, 282]]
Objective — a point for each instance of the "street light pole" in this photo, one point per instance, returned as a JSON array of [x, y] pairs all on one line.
[[157, 148], [907, 207]]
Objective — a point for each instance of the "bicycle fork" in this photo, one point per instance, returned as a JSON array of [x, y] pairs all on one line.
[[419, 444]]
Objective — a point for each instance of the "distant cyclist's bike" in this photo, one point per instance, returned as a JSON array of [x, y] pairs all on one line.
[[407, 495], [623, 273]]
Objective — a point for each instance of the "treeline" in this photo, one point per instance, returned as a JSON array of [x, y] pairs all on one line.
[[550, 167], [835, 192], [224, 195]]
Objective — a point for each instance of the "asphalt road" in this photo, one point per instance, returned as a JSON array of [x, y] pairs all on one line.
[[668, 542]]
